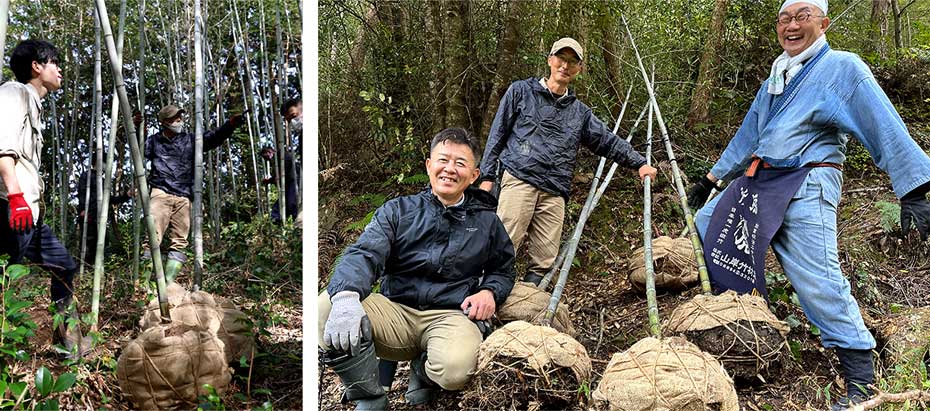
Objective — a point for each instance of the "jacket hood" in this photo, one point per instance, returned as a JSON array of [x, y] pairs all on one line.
[[534, 85], [476, 199]]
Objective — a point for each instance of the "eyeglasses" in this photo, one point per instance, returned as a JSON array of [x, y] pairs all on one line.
[[801, 17], [571, 61]]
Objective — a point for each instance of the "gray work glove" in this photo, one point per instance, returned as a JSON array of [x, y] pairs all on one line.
[[343, 330]]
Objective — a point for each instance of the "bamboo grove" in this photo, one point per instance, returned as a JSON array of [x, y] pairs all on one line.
[[244, 55]]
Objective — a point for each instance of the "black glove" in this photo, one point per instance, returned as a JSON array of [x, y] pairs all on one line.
[[915, 208], [699, 192]]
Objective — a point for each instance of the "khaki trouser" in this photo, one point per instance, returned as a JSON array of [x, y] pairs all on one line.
[[173, 213], [535, 216], [401, 333]]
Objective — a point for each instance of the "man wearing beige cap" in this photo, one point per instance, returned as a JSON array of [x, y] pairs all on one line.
[[535, 136], [171, 152]]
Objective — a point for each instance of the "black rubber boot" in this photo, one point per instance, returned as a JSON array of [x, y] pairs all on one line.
[[859, 373], [533, 278], [386, 371], [359, 376], [420, 389]]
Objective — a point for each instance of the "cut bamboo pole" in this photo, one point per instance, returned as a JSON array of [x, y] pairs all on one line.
[[103, 211], [198, 148], [651, 301], [676, 173], [140, 93], [137, 165]]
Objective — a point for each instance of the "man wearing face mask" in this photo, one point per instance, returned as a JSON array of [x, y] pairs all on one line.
[[293, 113], [171, 153], [290, 184]]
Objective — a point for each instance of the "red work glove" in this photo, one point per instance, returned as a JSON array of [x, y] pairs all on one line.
[[20, 213]]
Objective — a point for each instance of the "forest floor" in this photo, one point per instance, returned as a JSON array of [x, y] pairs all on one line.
[[609, 315], [269, 294]]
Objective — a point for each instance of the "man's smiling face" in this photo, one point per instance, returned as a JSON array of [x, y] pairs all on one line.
[[796, 36]]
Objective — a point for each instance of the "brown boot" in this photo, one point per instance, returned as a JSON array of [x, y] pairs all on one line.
[[70, 338]]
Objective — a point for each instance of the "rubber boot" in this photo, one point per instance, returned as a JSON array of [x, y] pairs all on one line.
[[71, 338], [172, 268], [533, 278], [386, 371], [420, 389], [359, 376], [858, 372]]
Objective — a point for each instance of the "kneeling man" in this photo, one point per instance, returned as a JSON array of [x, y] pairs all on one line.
[[444, 259]]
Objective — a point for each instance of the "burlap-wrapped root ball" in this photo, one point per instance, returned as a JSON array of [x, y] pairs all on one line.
[[665, 375], [673, 260], [906, 335], [167, 366], [202, 309], [737, 329], [522, 366], [528, 303]]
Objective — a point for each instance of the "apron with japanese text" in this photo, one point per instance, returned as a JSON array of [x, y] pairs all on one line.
[[750, 212]]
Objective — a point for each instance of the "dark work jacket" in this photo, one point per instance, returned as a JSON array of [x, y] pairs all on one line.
[[431, 257], [173, 158], [536, 137]]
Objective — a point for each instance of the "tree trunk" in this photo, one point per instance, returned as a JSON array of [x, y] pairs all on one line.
[[506, 51], [704, 92], [455, 39], [879, 23], [612, 60], [437, 82], [139, 169]]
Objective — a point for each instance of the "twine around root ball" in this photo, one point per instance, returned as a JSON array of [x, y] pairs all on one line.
[[748, 350], [737, 329], [509, 384]]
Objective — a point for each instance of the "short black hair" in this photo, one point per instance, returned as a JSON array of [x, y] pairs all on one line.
[[457, 135], [28, 51], [288, 104]]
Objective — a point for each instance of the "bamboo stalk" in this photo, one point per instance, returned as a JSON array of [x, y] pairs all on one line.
[[246, 82], [138, 168], [676, 173], [140, 93], [104, 211], [651, 301], [95, 135], [198, 148]]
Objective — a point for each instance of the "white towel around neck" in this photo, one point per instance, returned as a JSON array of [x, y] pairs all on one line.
[[786, 67]]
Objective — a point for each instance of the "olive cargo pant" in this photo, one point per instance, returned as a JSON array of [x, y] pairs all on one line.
[[532, 215], [401, 333]]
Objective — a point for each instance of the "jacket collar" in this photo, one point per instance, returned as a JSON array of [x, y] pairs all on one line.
[[563, 101], [476, 199]]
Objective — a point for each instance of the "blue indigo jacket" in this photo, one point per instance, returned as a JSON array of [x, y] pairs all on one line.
[[839, 98]]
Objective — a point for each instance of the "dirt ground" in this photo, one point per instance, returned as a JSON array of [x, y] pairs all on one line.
[[610, 315], [276, 369]]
